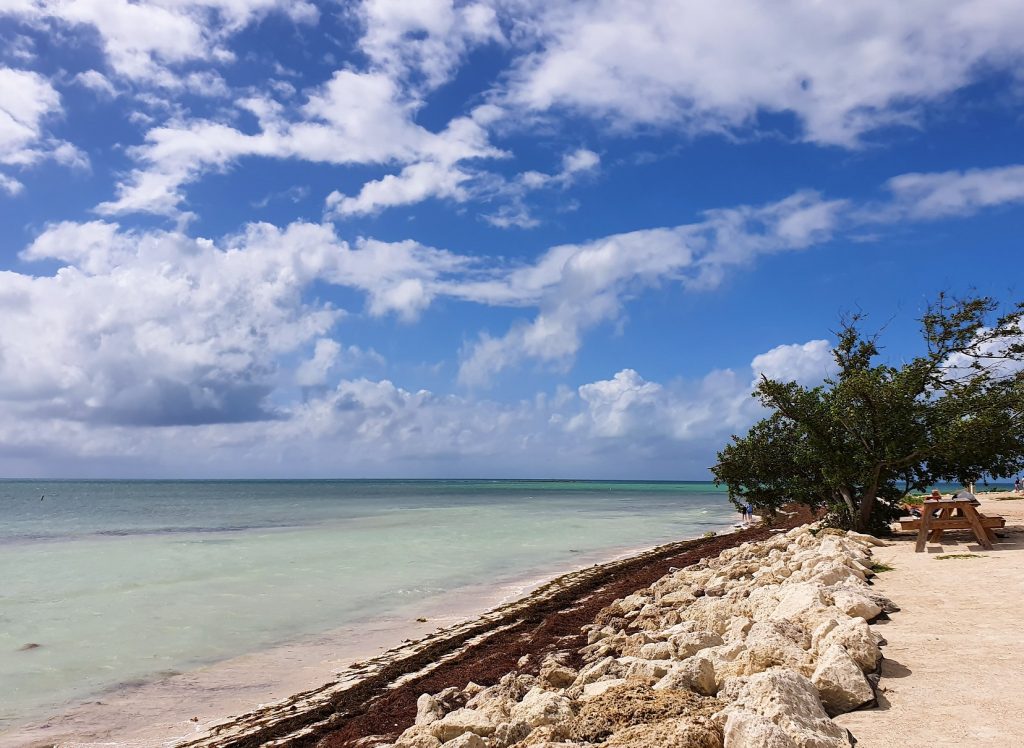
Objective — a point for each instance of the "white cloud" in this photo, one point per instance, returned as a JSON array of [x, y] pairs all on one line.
[[515, 212], [355, 118], [413, 184], [699, 67], [580, 286], [362, 427], [96, 81], [807, 364], [953, 193], [157, 328], [424, 40], [27, 100], [314, 371], [141, 40], [619, 406], [10, 185], [578, 161]]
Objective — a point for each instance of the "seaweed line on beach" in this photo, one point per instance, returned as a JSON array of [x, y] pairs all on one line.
[[379, 697]]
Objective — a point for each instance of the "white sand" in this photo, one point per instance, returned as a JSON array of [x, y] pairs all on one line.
[[952, 671]]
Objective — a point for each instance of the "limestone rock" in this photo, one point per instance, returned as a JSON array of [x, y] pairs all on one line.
[[461, 721], [467, 740], [595, 671], [690, 643], [658, 650], [541, 708], [712, 613], [548, 736], [866, 539], [417, 736], [678, 598], [695, 673], [855, 604], [496, 701], [593, 690], [557, 675], [856, 638], [802, 603], [790, 701], [840, 682], [427, 710], [777, 643], [737, 629], [508, 733], [647, 670], [745, 729], [833, 573]]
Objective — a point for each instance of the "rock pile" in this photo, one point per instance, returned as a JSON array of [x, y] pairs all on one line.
[[755, 648]]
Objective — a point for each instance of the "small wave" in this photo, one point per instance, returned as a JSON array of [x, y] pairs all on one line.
[[124, 532]]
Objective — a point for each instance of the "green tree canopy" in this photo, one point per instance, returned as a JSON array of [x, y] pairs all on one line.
[[874, 430]]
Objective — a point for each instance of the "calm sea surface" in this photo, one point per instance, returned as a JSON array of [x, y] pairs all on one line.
[[121, 581]]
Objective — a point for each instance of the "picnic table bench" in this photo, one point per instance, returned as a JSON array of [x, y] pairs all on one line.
[[953, 514]]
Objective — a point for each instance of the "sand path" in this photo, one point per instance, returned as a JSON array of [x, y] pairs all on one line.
[[952, 670]]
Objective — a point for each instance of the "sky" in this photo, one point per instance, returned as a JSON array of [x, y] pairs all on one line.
[[496, 238]]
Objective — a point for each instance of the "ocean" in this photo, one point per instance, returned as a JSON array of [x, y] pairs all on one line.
[[125, 582]]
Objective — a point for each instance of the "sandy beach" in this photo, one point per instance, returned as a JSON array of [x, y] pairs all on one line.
[[951, 674]]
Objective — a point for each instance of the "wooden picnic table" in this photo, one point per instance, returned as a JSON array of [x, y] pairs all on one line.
[[953, 514]]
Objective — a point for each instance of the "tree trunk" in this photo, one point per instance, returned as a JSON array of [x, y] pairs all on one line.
[[862, 519], [851, 505]]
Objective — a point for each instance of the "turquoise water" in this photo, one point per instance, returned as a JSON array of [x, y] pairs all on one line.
[[124, 581]]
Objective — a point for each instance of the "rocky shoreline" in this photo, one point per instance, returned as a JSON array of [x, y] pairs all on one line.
[[377, 697], [756, 647]]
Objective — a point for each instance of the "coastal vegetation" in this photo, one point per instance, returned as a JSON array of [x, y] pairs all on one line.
[[876, 430]]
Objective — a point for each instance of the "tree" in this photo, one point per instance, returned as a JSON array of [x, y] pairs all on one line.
[[856, 444]]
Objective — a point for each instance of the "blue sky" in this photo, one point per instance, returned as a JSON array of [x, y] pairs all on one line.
[[495, 238]]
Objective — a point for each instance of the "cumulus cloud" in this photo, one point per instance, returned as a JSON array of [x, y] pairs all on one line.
[[143, 40], [314, 371], [156, 327], [96, 81], [580, 286], [808, 363], [27, 100], [413, 184], [354, 118], [701, 67], [368, 427], [424, 40]]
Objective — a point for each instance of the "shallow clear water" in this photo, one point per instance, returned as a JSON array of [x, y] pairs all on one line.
[[124, 581]]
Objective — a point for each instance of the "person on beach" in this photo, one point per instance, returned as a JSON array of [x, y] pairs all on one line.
[[1016, 486], [748, 514]]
